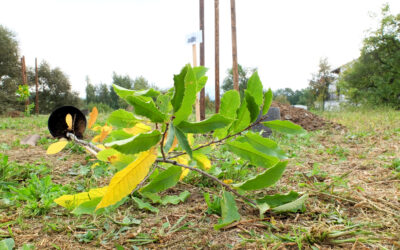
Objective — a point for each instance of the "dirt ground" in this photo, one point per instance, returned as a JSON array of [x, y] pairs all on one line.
[[354, 199]]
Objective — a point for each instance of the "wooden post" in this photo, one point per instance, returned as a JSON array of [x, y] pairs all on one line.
[[37, 88], [24, 77], [202, 62], [217, 95], [234, 47], [197, 105]]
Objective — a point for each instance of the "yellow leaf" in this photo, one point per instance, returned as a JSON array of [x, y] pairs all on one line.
[[92, 117], [68, 120], [105, 130], [101, 146], [174, 143], [190, 139], [125, 181], [94, 165], [71, 201], [228, 181], [137, 129], [183, 159], [97, 128], [202, 161], [96, 139], [185, 172], [56, 147]]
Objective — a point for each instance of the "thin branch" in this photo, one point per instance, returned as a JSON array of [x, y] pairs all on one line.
[[211, 177], [220, 140], [162, 141], [84, 143], [144, 180]]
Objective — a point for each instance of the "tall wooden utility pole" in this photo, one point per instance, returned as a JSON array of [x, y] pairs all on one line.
[[37, 88], [234, 47], [217, 97], [24, 77], [202, 63]]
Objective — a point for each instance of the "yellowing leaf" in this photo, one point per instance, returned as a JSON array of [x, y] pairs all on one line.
[[101, 146], [228, 181], [97, 128], [185, 172], [71, 201], [190, 139], [68, 120], [202, 161], [114, 158], [105, 130], [56, 147], [174, 143], [94, 165], [92, 117], [137, 129], [125, 181]]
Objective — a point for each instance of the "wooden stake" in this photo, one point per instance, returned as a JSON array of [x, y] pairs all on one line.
[[37, 88], [202, 62], [197, 105], [217, 95], [234, 47]]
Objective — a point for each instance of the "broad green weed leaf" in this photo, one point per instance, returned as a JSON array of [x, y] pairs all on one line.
[[71, 201], [278, 199], [145, 106], [212, 123], [164, 180], [175, 199], [268, 178], [267, 101], [246, 151], [124, 181], [229, 211], [7, 244], [136, 144], [122, 119], [144, 205], [294, 206], [286, 127], [56, 147]]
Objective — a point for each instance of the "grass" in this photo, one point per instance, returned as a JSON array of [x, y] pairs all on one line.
[[352, 177]]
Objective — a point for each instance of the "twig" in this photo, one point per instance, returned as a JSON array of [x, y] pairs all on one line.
[[82, 142], [144, 180], [220, 140], [162, 141], [211, 177]]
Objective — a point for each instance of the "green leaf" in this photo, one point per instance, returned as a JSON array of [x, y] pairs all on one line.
[[170, 138], [105, 153], [263, 207], [212, 123], [88, 207], [265, 145], [200, 72], [267, 101], [123, 92], [179, 88], [7, 244], [243, 118], [136, 144], [268, 178], [175, 199], [229, 211], [144, 205], [278, 199], [121, 160], [122, 119], [183, 141], [166, 179], [230, 102], [255, 89], [163, 103], [252, 106], [246, 151], [117, 135], [286, 127], [189, 97], [294, 206], [145, 106]]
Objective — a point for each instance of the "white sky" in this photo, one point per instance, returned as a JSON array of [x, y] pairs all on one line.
[[283, 39]]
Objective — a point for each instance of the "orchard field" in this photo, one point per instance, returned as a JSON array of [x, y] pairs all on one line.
[[351, 176]]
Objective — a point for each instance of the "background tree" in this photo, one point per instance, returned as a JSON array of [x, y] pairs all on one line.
[[244, 76], [10, 70], [320, 82], [90, 91], [375, 77]]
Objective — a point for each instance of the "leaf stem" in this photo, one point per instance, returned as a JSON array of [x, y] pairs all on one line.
[[228, 187]]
